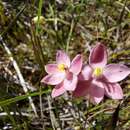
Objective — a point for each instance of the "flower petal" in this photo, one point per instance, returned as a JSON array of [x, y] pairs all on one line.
[[62, 58], [53, 79], [76, 64], [114, 91], [58, 90], [96, 92], [51, 68], [86, 73], [98, 56], [116, 72], [70, 82], [81, 89]]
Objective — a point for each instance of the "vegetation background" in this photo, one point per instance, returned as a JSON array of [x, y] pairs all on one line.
[[26, 46]]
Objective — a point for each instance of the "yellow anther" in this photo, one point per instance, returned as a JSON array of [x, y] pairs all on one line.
[[61, 67], [98, 72]]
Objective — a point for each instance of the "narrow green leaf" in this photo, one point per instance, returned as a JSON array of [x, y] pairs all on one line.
[[39, 14], [19, 98]]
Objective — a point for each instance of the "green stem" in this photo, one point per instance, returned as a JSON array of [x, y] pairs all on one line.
[[39, 14], [69, 36]]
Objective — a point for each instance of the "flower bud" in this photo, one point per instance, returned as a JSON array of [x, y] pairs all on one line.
[[41, 20]]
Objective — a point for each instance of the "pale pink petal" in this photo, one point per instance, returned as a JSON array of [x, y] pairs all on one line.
[[81, 89], [62, 58], [51, 68], [114, 91], [116, 72], [76, 64], [95, 100], [86, 73], [58, 90], [53, 79], [98, 56], [70, 82], [96, 92]]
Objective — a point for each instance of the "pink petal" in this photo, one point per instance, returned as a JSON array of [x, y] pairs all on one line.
[[96, 92], [116, 72], [76, 64], [86, 73], [81, 89], [114, 91], [70, 82], [53, 79], [62, 58], [98, 56], [51, 68], [58, 90]]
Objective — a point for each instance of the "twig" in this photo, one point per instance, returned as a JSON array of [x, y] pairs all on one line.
[[15, 113], [126, 8], [98, 112], [15, 79], [54, 123], [12, 22], [118, 33], [122, 12], [115, 115], [71, 107], [58, 20], [41, 106], [20, 76], [55, 17]]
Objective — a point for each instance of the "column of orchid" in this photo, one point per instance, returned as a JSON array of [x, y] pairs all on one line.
[[91, 81]]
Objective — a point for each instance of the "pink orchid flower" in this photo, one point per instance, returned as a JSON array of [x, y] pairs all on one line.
[[98, 79], [63, 74]]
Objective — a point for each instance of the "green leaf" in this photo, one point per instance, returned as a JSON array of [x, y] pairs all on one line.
[[19, 98]]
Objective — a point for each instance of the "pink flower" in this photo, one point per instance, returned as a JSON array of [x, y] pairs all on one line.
[[98, 79], [63, 74]]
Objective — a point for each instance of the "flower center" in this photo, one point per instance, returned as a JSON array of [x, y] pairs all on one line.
[[98, 71], [61, 67]]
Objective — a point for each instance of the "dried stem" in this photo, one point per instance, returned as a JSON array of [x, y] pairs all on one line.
[[54, 122], [19, 74]]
